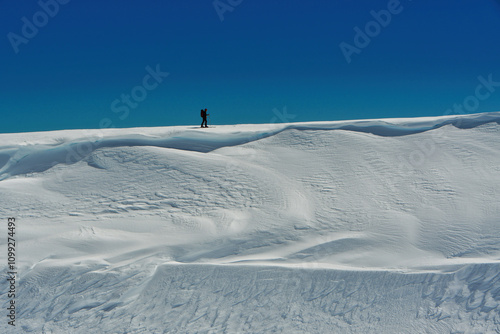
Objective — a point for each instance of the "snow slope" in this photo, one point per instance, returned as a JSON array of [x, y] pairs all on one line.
[[371, 226]]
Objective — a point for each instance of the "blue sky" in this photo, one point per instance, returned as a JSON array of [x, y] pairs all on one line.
[[256, 61]]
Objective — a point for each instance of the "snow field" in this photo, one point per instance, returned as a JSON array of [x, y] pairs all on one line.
[[361, 226]]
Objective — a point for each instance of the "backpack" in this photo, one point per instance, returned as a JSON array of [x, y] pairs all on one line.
[[202, 113]]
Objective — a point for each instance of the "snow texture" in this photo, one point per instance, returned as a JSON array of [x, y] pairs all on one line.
[[372, 226]]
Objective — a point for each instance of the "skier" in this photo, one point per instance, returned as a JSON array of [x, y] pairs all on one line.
[[204, 115]]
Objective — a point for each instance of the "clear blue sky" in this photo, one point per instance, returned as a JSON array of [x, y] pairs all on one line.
[[264, 55]]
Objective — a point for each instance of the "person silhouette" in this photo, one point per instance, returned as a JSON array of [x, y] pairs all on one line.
[[204, 116]]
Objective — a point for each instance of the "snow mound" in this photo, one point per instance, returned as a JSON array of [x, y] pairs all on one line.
[[387, 225], [37, 157]]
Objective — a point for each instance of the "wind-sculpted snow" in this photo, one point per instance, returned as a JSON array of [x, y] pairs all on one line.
[[376, 226], [243, 299], [38, 158]]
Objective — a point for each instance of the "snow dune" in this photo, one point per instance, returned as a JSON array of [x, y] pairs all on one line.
[[389, 225]]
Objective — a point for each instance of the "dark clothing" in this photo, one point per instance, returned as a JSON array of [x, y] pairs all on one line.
[[204, 116]]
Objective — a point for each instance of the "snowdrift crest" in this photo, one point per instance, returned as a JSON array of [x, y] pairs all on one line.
[[38, 157]]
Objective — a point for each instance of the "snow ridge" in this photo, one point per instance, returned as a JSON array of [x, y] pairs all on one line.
[[38, 158]]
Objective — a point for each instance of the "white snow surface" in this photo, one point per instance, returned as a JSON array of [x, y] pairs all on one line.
[[369, 226]]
